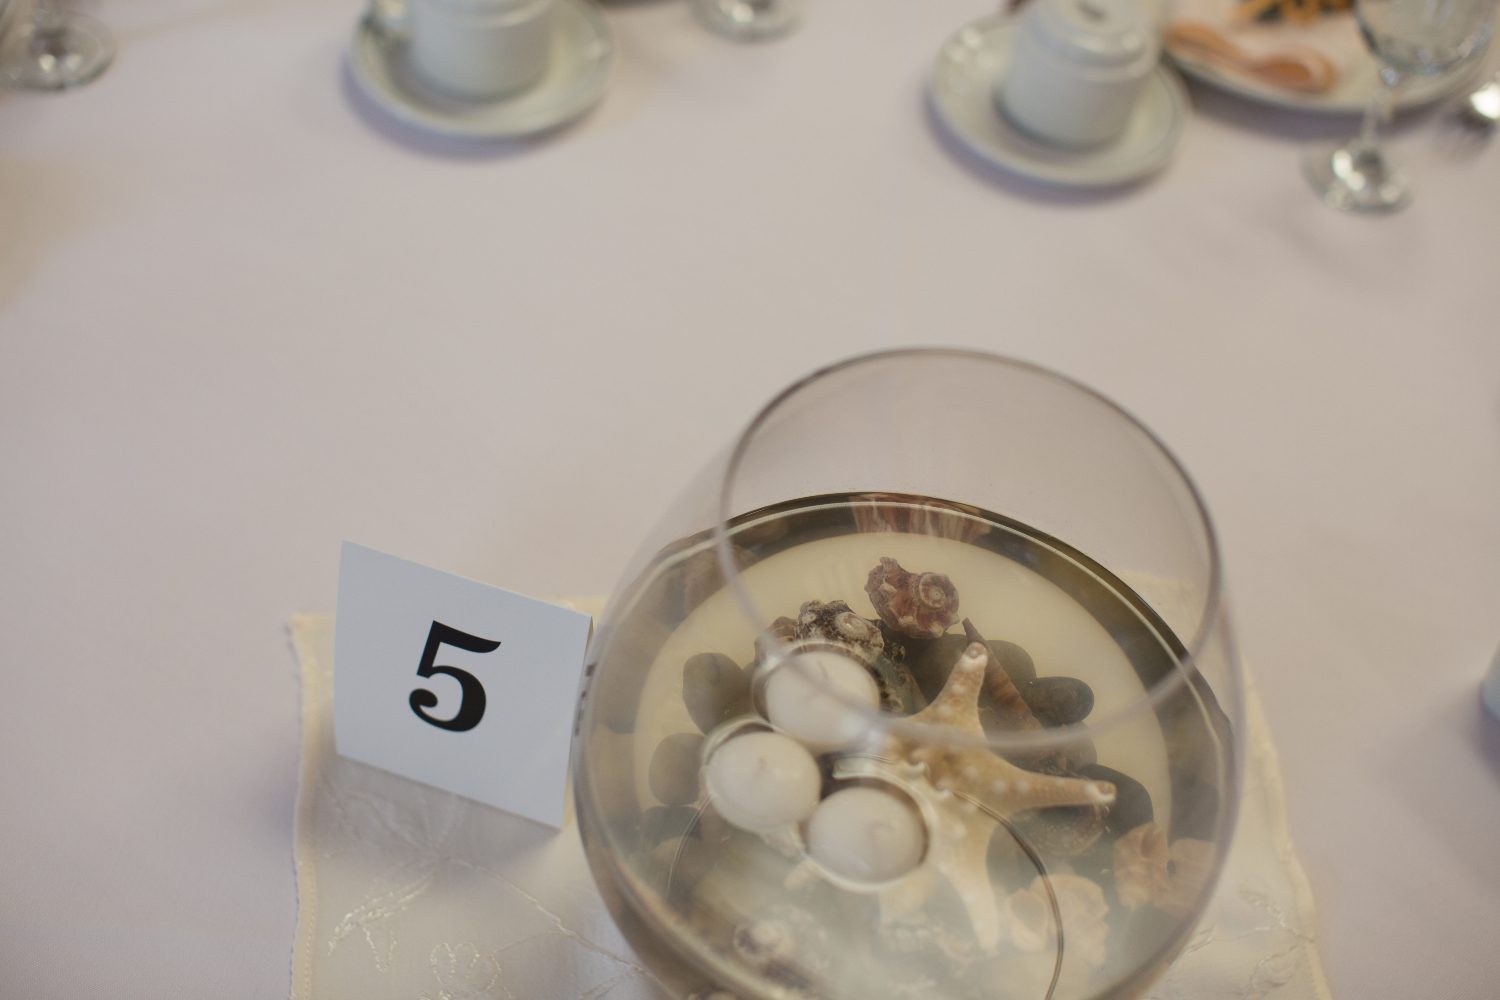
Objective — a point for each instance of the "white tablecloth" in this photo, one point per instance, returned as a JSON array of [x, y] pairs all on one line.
[[242, 318]]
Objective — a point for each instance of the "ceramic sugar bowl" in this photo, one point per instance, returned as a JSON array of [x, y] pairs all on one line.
[[1078, 69]]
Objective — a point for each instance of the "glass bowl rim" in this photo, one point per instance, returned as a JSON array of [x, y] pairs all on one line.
[[1210, 621]]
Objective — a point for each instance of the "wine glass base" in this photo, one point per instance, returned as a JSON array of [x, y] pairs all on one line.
[[37, 58], [1355, 177], [749, 20]]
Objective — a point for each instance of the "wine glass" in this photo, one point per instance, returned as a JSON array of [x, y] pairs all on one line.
[[749, 20], [922, 689], [54, 49], [1408, 38]]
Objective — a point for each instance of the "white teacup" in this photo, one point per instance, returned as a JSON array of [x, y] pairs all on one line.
[[1077, 69], [479, 49]]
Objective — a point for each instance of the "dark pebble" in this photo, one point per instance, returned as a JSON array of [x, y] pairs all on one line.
[[1016, 661], [665, 822], [1132, 805], [1058, 701], [1079, 754], [673, 774], [933, 661], [682, 861], [899, 694], [1062, 831], [714, 688], [931, 665]]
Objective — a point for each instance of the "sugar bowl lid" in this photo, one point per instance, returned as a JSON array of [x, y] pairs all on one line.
[[1102, 33]]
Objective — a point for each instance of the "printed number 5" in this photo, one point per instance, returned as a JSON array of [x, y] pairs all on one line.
[[471, 697]]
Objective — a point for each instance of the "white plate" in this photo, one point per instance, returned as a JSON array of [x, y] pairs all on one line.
[[961, 88], [582, 52], [1334, 35], [1352, 93]]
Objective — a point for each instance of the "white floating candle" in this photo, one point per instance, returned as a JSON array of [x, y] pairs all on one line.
[[822, 698], [866, 835], [762, 781]]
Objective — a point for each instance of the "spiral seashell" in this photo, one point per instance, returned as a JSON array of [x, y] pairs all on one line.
[[833, 621], [919, 605]]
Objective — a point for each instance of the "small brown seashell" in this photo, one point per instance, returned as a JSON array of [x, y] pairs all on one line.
[[1083, 909], [784, 943], [1171, 878], [920, 605], [1190, 866], [834, 622], [781, 632], [1011, 707], [1140, 865]]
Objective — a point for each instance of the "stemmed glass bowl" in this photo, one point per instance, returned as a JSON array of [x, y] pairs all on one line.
[[1409, 38], [54, 48], [924, 688], [749, 20]]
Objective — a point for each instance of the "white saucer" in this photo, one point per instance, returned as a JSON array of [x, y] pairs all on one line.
[[582, 52], [962, 89]]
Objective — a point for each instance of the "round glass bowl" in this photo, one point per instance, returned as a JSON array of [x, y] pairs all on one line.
[[923, 689]]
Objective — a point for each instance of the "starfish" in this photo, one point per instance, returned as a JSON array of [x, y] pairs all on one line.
[[971, 769], [961, 777], [961, 790]]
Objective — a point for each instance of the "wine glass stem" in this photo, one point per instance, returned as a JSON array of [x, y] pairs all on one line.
[[48, 17], [1379, 110]]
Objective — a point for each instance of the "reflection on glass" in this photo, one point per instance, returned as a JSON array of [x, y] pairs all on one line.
[[924, 690]]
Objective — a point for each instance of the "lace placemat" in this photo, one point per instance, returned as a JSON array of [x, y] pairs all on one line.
[[408, 892]]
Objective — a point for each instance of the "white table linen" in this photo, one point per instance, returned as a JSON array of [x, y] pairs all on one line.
[[243, 317]]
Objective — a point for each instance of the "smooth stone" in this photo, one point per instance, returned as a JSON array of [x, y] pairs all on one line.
[[932, 661], [682, 861], [666, 822], [1062, 831], [1058, 701], [714, 688], [1132, 805], [1079, 754], [673, 774], [1016, 661], [899, 694]]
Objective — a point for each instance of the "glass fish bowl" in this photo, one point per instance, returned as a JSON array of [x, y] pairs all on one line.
[[924, 689]]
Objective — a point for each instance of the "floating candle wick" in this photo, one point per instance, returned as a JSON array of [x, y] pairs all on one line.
[[762, 781], [823, 699], [866, 835]]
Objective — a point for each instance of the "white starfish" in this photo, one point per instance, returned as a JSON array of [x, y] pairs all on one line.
[[950, 781], [968, 767]]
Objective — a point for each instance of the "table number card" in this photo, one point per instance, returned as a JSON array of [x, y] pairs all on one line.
[[456, 683]]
